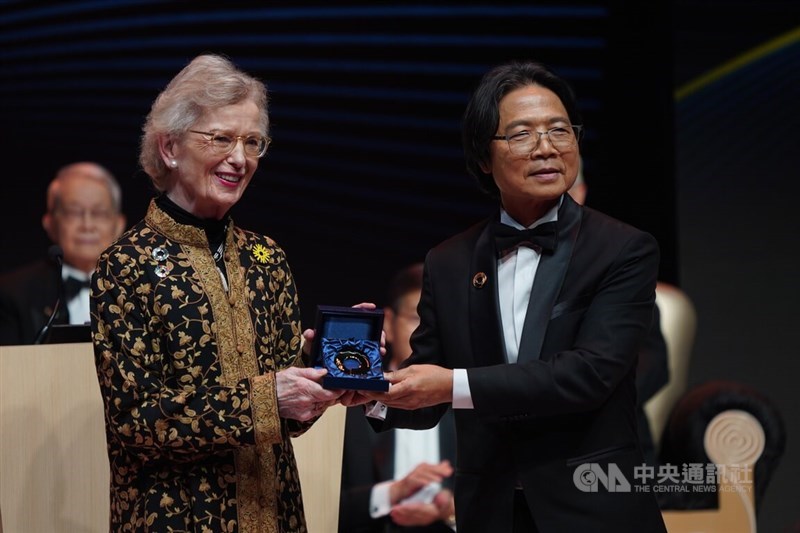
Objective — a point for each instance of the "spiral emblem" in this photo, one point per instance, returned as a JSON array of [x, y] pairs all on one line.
[[734, 437]]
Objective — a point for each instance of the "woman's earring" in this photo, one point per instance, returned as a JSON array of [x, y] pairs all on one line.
[[174, 163]]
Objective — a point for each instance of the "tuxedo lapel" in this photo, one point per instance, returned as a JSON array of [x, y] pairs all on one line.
[[484, 313], [547, 284]]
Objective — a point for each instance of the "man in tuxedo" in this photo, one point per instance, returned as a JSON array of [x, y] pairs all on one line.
[[83, 217], [530, 323], [381, 471]]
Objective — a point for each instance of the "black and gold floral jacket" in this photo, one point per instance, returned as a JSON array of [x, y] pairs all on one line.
[[187, 375]]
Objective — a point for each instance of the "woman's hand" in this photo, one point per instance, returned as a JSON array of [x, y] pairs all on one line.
[[300, 395]]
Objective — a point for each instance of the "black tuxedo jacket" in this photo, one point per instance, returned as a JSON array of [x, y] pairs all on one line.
[[569, 400], [27, 297], [368, 459]]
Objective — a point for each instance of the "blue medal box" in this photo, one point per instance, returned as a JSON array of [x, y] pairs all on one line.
[[347, 343]]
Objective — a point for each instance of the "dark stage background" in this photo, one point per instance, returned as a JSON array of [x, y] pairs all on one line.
[[366, 173]]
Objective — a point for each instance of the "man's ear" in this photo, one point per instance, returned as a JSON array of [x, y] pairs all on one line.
[[49, 225], [388, 324]]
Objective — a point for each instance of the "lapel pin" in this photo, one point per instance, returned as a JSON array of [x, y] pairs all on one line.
[[162, 271], [261, 253], [479, 280], [160, 254]]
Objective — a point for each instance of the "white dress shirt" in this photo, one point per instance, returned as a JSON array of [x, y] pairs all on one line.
[[411, 447], [78, 306], [516, 271]]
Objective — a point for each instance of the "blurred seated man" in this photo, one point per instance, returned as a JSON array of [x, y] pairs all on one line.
[[83, 217], [397, 480], [579, 190], [652, 370]]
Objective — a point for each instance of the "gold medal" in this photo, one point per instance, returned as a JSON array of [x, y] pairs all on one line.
[[352, 362]]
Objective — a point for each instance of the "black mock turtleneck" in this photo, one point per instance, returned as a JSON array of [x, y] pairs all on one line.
[[215, 229]]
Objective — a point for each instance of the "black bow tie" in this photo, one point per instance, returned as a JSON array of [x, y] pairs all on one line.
[[72, 286], [543, 237]]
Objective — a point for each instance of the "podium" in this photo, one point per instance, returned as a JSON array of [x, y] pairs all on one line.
[[54, 473]]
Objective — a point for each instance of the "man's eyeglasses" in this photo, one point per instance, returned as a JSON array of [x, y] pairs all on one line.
[[224, 143], [523, 143], [74, 215]]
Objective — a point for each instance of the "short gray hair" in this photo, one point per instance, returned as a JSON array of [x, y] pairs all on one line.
[[86, 169], [208, 82]]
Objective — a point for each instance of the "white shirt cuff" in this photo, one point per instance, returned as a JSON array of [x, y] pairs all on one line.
[[379, 503], [462, 397], [375, 410]]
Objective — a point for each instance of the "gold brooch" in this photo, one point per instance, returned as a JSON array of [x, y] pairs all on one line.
[[261, 253], [479, 280]]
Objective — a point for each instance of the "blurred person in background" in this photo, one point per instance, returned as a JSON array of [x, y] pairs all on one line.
[[84, 216], [385, 475]]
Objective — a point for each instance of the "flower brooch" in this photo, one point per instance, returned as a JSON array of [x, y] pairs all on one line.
[[261, 253]]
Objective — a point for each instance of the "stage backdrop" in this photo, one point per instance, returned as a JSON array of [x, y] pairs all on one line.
[[366, 171]]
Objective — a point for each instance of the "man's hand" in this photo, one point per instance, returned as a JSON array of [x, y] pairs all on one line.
[[353, 397], [414, 514], [416, 386], [423, 514], [423, 474]]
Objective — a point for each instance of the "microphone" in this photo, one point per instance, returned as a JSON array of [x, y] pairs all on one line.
[[56, 255]]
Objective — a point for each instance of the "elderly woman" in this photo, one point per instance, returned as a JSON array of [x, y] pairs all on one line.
[[197, 330]]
